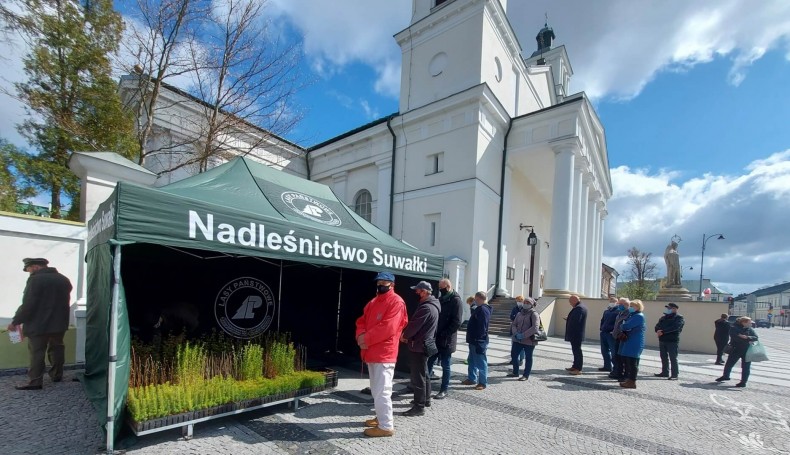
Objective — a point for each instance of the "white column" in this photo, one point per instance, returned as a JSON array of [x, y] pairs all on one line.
[[584, 254], [575, 265], [506, 229], [339, 181], [600, 248], [592, 213], [561, 209], [382, 201]]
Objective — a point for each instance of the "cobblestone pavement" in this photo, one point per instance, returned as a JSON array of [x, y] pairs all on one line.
[[552, 412]]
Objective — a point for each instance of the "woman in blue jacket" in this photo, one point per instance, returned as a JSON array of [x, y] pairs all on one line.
[[741, 336], [631, 348]]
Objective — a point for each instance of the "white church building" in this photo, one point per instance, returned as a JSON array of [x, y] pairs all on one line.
[[489, 160], [487, 148]]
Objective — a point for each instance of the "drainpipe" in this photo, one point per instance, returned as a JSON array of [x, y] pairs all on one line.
[[501, 209], [307, 163], [392, 171]]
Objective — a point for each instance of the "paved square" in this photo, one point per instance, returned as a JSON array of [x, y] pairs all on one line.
[[551, 413]]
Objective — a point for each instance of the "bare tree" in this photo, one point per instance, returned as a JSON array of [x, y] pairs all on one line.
[[246, 78], [163, 26], [640, 266]]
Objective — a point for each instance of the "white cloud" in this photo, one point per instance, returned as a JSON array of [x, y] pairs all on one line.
[[752, 210], [618, 46]]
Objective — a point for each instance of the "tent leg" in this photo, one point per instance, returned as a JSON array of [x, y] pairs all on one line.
[[116, 269], [337, 322], [186, 431], [279, 295]]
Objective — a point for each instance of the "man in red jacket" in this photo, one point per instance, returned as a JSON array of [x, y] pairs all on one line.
[[378, 334]]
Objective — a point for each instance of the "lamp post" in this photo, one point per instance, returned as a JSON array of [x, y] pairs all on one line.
[[532, 240], [702, 259]]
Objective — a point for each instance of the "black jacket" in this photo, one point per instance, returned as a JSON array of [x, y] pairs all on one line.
[[672, 325], [422, 325], [45, 304], [449, 322], [739, 345], [722, 333], [576, 323]]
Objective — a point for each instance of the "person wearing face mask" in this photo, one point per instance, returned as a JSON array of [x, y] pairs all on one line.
[[420, 337], [447, 332], [668, 330], [631, 348], [524, 325], [513, 312], [741, 336], [607, 340], [618, 367], [377, 332]]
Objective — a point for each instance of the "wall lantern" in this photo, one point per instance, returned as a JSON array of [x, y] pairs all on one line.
[[532, 240]]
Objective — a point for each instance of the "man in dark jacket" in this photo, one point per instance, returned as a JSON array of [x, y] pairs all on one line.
[[575, 324], [447, 331], [607, 340], [477, 337], [420, 336], [668, 329], [45, 315], [721, 336]]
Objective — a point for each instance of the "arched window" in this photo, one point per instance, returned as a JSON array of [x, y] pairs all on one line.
[[363, 204]]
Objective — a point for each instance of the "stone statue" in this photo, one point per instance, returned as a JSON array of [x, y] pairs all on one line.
[[672, 260]]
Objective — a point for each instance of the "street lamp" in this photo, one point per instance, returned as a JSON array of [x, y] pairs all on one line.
[[685, 267], [702, 259]]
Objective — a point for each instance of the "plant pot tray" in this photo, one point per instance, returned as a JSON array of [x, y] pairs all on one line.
[[187, 420]]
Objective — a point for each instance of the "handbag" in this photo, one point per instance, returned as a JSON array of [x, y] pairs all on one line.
[[541, 334], [756, 352], [728, 349], [429, 346]]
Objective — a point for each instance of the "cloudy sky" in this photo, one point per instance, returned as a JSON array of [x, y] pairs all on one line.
[[695, 98]]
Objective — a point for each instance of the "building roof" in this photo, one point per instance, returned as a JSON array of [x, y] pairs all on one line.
[[775, 289]]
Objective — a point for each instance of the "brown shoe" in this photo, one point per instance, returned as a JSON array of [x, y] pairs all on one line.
[[28, 387], [628, 384], [575, 372], [372, 423], [480, 387], [570, 369], [378, 432], [468, 382]]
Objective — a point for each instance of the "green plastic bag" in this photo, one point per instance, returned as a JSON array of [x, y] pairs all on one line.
[[756, 352]]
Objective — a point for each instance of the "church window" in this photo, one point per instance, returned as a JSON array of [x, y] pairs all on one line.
[[434, 163], [433, 228], [511, 273], [363, 204], [439, 2]]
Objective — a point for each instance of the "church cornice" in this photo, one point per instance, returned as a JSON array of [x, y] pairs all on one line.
[[441, 16]]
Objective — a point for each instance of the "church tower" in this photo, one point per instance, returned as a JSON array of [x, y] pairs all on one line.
[[556, 58]]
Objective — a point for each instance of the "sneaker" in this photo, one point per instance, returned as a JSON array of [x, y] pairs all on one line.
[[435, 378], [523, 378], [468, 382], [740, 384], [372, 423], [721, 379], [661, 375], [441, 395], [415, 411], [378, 432], [480, 387]]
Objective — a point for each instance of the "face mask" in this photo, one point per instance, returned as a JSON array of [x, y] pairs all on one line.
[[610, 306], [520, 304], [443, 291], [621, 307], [632, 310], [667, 311], [381, 289]]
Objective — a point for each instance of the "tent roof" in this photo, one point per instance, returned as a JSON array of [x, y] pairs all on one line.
[[246, 208]]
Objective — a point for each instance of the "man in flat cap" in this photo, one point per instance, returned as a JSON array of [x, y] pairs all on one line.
[[668, 330], [420, 338], [44, 314], [378, 332]]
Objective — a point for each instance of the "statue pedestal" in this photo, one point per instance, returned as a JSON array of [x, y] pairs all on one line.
[[673, 293]]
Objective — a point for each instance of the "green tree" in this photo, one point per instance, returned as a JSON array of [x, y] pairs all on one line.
[[11, 190], [70, 96], [636, 290]]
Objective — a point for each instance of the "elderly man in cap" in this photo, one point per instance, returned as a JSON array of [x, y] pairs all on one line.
[[44, 315], [378, 331], [447, 331], [668, 330], [420, 337]]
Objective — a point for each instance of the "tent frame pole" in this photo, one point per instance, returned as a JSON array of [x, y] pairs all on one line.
[[116, 290], [339, 296], [279, 295]]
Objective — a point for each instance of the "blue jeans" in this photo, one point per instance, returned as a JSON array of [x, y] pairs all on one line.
[[521, 350], [478, 365], [444, 360], [607, 349]]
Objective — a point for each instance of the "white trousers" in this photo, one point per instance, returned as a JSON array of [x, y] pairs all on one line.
[[381, 388]]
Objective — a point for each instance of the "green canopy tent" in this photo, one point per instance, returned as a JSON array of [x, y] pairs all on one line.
[[239, 209]]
